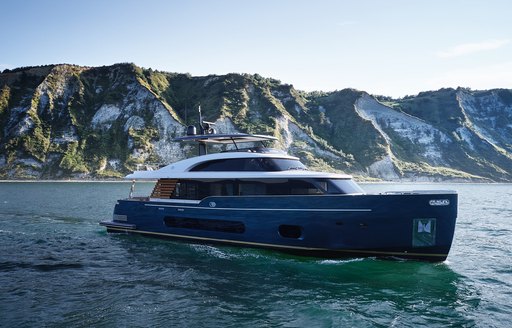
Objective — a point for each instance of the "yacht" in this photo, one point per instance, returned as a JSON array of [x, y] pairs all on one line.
[[262, 197]]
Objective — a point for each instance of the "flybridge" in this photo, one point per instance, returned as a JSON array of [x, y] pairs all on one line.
[[208, 135], [226, 138]]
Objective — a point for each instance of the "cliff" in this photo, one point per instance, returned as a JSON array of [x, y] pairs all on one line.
[[66, 121]]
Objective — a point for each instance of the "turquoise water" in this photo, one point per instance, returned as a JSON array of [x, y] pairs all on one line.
[[59, 268]]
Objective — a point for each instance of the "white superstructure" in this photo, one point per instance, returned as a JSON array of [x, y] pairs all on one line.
[[183, 169]]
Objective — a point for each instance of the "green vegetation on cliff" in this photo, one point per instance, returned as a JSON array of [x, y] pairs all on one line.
[[61, 121]]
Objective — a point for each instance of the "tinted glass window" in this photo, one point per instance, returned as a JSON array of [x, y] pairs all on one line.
[[343, 186], [252, 188], [293, 187], [288, 164], [250, 164], [186, 190], [299, 187], [205, 224], [190, 189], [221, 165], [197, 190]]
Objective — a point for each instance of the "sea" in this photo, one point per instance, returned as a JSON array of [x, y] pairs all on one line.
[[59, 268]]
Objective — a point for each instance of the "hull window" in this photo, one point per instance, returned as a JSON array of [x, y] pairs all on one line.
[[290, 231], [204, 224]]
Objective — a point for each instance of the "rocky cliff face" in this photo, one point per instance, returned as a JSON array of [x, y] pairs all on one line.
[[65, 121]]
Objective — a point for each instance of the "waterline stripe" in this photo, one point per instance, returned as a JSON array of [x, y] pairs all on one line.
[[267, 209], [237, 242]]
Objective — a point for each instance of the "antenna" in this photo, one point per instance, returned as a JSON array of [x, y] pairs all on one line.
[[201, 145], [201, 129]]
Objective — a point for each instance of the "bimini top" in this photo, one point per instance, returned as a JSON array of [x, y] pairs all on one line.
[[226, 138], [236, 165]]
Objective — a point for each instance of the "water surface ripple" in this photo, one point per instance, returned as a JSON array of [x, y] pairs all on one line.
[[59, 268]]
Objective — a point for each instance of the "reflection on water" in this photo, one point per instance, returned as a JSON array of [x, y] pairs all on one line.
[[347, 291]]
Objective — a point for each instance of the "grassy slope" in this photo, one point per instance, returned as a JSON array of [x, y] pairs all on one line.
[[252, 102]]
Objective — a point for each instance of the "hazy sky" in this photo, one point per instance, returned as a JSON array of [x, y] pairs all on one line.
[[388, 47]]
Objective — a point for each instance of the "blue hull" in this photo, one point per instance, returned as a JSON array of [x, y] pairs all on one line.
[[412, 226]]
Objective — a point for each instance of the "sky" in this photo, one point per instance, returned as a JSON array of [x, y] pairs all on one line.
[[393, 47]]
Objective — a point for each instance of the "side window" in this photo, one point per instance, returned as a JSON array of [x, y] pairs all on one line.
[[294, 187], [221, 165], [249, 164], [222, 188], [186, 190], [215, 189], [252, 188], [299, 187], [198, 190], [252, 164], [343, 186]]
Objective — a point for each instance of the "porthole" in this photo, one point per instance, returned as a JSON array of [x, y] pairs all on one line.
[[290, 231]]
